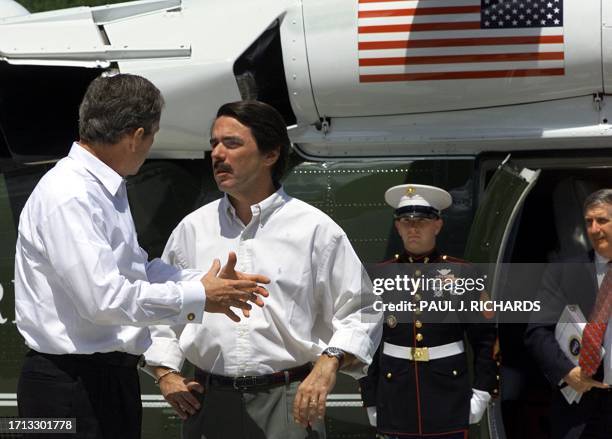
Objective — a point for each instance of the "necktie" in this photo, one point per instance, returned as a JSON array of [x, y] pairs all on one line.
[[592, 336]]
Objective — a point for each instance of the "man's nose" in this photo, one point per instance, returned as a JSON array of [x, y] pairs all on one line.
[[218, 151]]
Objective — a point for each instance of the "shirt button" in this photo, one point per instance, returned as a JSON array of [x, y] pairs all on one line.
[[418, 324], [419, 337], [190, 316]]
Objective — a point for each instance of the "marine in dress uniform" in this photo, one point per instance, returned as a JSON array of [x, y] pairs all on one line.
[[418, 385]]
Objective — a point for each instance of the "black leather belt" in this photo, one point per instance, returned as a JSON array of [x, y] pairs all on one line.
[[246, 383], [118, 359]]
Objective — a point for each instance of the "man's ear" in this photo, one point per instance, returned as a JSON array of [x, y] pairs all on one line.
[[270, 157], [439, 224], [135, 137]]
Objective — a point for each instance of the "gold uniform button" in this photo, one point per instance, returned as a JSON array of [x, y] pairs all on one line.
[[389, 376], [190, 316], [419, 337], [417, 297], [495, 391], [418, 324], [455, 373], [417, 273], [497, 377], [417, 311]]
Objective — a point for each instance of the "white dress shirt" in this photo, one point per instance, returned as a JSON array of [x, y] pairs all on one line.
[[319, 293], [602, 266], [82, 282]]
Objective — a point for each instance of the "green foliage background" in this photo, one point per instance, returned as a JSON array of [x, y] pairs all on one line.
[[47, 5]]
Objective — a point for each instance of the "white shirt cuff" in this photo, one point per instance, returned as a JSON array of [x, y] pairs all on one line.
[[357, 343], [194, 300], [164, 352]]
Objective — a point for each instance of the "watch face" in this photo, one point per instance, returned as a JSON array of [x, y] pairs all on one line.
[[334, 352]]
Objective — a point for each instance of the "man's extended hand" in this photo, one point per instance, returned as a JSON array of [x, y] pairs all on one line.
[[580, 382], [227, 287], [177, 390], [229, 272], [310, 399]]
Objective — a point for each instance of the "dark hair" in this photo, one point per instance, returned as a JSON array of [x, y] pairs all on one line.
[[602, 196], [267, 127], [115, 105]]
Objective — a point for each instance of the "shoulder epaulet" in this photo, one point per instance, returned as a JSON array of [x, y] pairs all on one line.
[[454, 260], [390, 261]]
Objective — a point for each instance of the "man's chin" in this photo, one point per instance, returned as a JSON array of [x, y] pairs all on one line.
[[603, 249]]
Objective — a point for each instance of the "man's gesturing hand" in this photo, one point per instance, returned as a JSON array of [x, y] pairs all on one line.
[[178, 391], [580, 382], [309, 403], [228, 287]]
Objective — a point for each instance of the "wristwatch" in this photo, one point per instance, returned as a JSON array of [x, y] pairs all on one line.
[[334, 353]]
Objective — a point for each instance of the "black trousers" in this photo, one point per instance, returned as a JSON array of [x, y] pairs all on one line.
[[589, 419], [102, 391]]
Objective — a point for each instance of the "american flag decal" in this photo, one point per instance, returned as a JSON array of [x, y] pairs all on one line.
[[427, 40]]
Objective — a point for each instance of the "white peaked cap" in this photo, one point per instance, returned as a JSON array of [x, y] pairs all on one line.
[[405, 195]]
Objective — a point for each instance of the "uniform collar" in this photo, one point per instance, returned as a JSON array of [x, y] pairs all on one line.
[[96, 167], [263, 209], [420, 259]]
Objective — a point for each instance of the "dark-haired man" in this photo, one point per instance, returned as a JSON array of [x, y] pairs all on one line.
[[84, 289], [586, 281], [258, 376]]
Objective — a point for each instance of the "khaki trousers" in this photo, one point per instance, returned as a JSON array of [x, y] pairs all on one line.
[[266, 414]]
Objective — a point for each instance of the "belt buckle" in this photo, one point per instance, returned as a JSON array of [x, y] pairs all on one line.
[[420, 354], [244, 382]]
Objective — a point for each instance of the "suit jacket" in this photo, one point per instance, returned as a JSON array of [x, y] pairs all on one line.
[[415, 398], [569, 282]]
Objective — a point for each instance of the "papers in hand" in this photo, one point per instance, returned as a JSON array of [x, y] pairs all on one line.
[[568, 333]]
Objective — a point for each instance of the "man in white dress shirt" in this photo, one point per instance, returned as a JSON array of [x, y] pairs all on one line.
[[255, 379], [84, 289]]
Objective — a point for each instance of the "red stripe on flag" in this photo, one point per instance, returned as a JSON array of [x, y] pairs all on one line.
[[456, 42], [450, 59], [432, 76], [417, 27], [420, 11]]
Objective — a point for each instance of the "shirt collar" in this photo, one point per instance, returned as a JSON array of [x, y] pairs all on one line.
[[96, 167], [263, 209], [599, 259]]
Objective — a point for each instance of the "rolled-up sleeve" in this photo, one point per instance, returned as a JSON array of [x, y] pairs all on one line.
[[165, 348], [347, 302]]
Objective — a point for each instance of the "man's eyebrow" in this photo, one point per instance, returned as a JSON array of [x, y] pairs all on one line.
[[235, 139]]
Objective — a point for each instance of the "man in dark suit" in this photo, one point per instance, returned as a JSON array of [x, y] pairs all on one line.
[[577, 281], [418, 385]]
